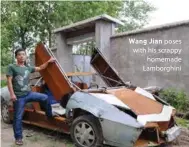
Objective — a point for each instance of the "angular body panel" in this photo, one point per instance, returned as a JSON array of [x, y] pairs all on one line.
[[56, 79], [140, 104], [124, 127], [105, 71]]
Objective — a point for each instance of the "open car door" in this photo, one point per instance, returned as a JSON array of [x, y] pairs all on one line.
[[54, 76], [105, 71]]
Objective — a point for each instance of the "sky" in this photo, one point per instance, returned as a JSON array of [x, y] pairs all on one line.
[[168, 11]]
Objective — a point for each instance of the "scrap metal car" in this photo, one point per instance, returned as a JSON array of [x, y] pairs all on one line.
[[119, 115]]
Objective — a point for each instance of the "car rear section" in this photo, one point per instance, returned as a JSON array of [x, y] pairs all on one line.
[[156, 118], [155, 115]]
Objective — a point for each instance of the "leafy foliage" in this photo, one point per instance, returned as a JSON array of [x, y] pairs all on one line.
[[26, 22], [135, 14], [177, 98], [3, 83], [84, 48], [182, 122]]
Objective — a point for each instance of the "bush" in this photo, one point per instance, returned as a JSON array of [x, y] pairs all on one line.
[[182, 122], [3, 69], [176, 98], [3, 83]]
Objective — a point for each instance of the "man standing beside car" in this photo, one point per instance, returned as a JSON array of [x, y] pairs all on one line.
[[20, 92]]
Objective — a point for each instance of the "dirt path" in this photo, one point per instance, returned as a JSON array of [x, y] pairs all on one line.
[[182, 140], [34, 137], [38, 137]]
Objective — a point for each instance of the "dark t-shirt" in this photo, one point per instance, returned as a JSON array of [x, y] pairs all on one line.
[[20, 79]]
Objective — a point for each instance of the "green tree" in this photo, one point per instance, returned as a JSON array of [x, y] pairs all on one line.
[[26, 22], [135, 14], [7, 34]]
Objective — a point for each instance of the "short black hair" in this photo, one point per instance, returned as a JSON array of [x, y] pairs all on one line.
[[19, 50]]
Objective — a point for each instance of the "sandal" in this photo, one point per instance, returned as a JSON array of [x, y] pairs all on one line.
[[19, 142]]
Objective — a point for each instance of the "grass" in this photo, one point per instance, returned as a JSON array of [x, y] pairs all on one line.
[[182, 122]]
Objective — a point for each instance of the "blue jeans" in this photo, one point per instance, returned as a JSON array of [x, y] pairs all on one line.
[[19, 110]]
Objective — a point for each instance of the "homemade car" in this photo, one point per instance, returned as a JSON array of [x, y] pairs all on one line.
[[119, 115]]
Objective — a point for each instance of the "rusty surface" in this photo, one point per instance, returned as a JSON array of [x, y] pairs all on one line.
[[141, 143], [163, 126], [81, 85], [36, 89], [139, 104], [105, 71], [52, 75], [69, 74], [151, 125], [38, 118], [146, 143], [149, 137]]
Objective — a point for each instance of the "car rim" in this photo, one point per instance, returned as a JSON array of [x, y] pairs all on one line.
[[84, 134], [5, 112]]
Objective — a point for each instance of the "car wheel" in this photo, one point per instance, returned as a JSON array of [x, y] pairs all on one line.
[[86, 131], [5, 112]]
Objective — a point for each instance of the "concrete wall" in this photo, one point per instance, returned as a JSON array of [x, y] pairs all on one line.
[[64, 52], [103, 32], [81, 63], [129, 65]]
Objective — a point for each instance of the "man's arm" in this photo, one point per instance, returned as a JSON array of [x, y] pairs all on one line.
[[43, 66], [10, 88]]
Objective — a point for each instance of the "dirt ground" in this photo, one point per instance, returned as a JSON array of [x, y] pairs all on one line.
[[182, 140], [34, 137], [38, 137]]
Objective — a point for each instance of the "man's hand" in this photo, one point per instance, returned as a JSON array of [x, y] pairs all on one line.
[[13, 97], [43, 66], [51, 60]]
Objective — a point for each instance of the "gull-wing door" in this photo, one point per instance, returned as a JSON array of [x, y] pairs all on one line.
[[105, 71], [54, 76]]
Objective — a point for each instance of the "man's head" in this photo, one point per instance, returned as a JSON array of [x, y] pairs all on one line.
[[20, 55]]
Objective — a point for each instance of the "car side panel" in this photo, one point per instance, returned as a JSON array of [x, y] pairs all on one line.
[[119, 128]]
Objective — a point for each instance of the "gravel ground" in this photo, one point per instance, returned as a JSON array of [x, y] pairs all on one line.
[[182, 140], [38, 137], [34, 137]]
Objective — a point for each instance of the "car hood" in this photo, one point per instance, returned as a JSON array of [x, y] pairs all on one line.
[[141, 102]]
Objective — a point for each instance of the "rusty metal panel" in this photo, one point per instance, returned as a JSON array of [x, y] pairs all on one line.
[[56, 79], [38, 118], [105, 71], [139, 104]]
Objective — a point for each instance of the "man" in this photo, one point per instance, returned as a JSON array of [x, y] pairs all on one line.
[[20, 92]]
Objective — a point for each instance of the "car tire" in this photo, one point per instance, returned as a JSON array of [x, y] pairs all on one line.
[[83, 127], [5, 112]]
